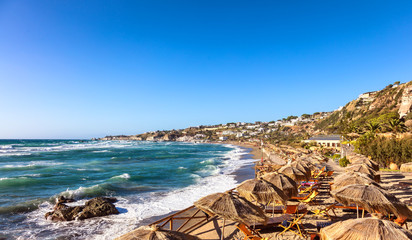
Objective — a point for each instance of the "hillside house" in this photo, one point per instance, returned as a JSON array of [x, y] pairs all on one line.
[[328, 141]]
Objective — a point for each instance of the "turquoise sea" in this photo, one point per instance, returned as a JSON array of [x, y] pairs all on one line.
[[148, 178]]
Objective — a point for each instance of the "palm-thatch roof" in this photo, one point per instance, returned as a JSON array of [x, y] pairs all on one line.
[[370, 163], [364, 229], [308, 163], [261, 191], [155, 233], [231, 206], [350, 178], [294, 173], [302, 167], [283, 182], [372, 198], [362, 168]]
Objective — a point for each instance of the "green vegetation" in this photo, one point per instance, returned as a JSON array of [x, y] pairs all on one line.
[[385, 150], [343, 162]]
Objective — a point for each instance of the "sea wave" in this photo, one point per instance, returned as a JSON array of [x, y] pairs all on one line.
[[124, 176], [28, 165], [135, 209]]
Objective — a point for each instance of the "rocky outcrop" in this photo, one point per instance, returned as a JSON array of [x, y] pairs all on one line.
[[95, 207], [406, 167], [406, 101]]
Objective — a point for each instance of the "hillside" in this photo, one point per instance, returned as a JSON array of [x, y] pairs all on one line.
[[371, 110], [374, 109]]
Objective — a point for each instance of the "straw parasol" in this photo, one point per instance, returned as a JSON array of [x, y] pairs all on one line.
[[362, 168], [371, 198], [364, 229], [350, 178], [370, 163], [302, 167], [309, 164], [261, 191], [294, 173], [155, 233], [283, 182], [230, 206]]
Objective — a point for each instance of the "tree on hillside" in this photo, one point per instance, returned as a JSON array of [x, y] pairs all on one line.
[[373, 126], [397, 125]]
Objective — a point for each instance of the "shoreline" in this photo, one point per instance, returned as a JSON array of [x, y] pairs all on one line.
[[245, 172]]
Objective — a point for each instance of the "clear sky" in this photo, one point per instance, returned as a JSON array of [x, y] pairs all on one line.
[[81, 69]]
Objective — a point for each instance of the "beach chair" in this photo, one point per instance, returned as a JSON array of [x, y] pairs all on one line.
[[314, 235], [309, 198], [324, 211], [301, 208], [317, 174], [294, 225], [401, 221], [309, 189], [250, 234]]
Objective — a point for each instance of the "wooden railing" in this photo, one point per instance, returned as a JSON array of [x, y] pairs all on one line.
[[185, 220]]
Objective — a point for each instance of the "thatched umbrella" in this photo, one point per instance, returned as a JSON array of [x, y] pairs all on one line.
[[370, 163], [371, 198], [362, 168], [261, 191], [155, 233], [302, 167], [350, 178], [309, 164], [231, 206], [283, 182], [294, 173], [364, 229]]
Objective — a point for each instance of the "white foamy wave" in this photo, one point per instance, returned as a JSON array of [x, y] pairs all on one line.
[[101, 151], [124, 175], [6, 150], [10, 146], [182, 168], [30, 164]]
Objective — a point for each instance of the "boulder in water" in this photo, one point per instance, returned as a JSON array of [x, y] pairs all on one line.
[[95, 207]]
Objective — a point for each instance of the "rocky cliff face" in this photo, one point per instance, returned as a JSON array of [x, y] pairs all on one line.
[[406, 101], [392, 99]]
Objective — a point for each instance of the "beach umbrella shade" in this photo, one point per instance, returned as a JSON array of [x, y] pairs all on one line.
[[294, 173], [370, 163], [372, 199], [362, 168], [155, 233], [302, 167], [231, 206], [283, 182], [309, 163], [364, 229], [261, 191], [350, 178]]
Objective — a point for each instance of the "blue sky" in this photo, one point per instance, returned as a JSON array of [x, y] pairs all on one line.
[[81, 69]]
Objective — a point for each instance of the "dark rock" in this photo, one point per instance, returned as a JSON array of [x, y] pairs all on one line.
[[62, 199], [98, 207], [95, 207]]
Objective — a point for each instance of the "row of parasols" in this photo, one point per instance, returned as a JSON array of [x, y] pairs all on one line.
[[356, 186]]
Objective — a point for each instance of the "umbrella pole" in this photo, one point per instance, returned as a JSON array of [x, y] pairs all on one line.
[[273, 210], [363, 212], [357, 211], [223, 230]]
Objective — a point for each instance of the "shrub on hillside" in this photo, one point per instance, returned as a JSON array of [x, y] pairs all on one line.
[[343, 162]]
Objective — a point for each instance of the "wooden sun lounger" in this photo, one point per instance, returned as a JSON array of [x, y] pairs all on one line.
[[301, 208], [250, 234]]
